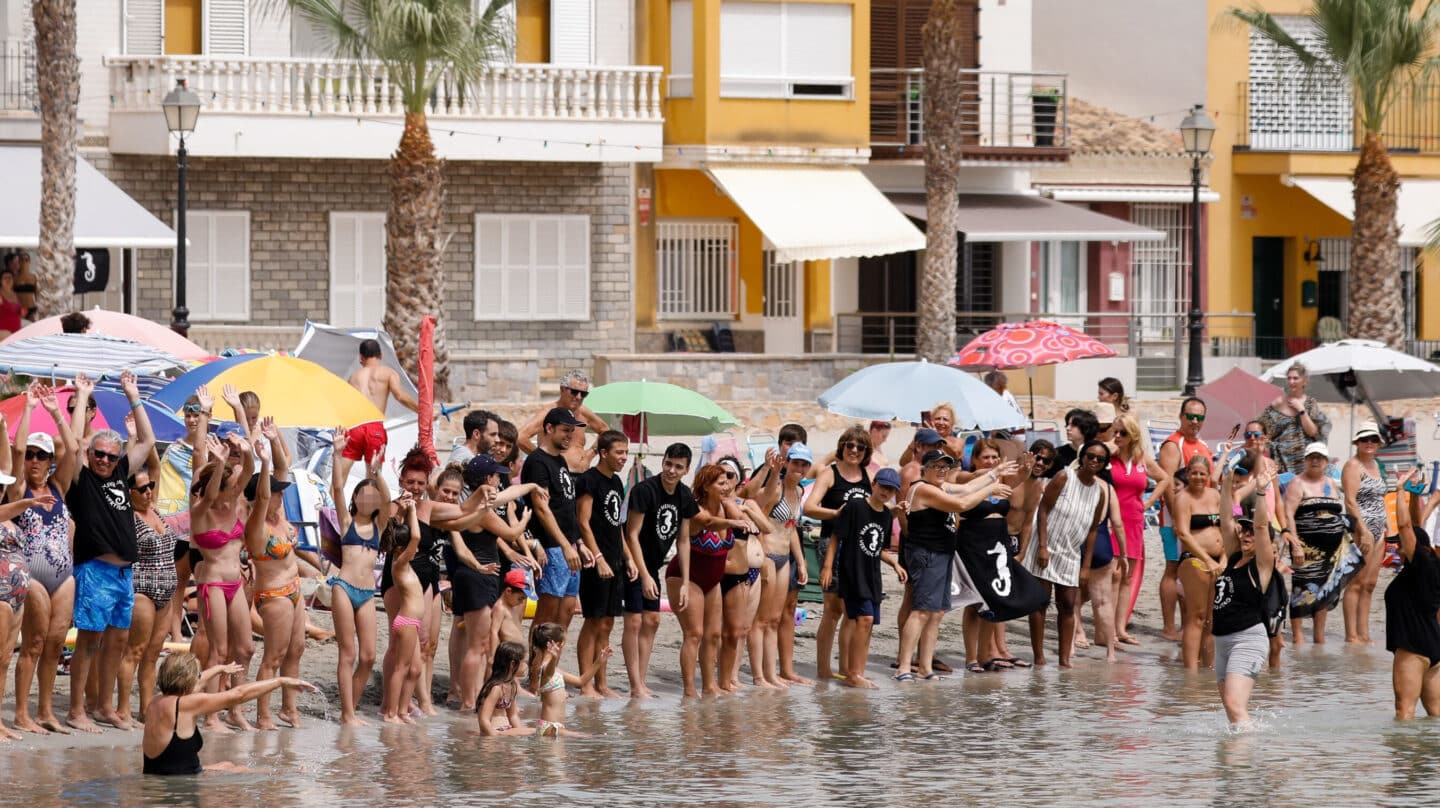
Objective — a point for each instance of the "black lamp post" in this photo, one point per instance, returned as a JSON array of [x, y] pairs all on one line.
[[1197, 130], [182, 110]]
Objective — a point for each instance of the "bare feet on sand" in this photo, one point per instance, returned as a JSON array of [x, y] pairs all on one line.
[[291, 717], [28, 724], [54, 725], [82, 723]]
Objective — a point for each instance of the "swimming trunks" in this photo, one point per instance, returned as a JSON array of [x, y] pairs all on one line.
[[363, 441], [215, 539], [358, 597], [104, 596]]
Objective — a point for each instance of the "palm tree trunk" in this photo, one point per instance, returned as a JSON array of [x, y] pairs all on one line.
[[1377, 308], [944, 58], [57, 81], [414, 276]]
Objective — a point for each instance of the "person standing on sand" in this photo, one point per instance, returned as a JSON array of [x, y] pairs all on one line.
[[574, 387], [602, 586], [377, 383], [559, 527], [105, 547], [661, 508], [352, 586], [861, 540]]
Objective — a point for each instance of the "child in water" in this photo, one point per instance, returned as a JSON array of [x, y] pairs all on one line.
[[547, 641], [497, 696], [406, 625]]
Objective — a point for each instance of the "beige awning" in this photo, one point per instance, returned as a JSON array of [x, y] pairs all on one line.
[[1019, 217], [1175, 194], [810, 213], [1417, 207]]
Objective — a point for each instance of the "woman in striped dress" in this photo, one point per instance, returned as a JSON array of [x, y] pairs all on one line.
[[1070, 513]]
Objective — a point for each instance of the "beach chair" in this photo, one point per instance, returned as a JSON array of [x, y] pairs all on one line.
[[1043, 430], [970, 437], [1159, 429], [714, 447], [1400, 456], [757, 445]]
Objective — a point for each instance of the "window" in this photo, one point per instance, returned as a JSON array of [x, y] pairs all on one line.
[[217, 265], [179, 27], [1288, 110], [1062, 277], [532, 266], [682, 49], [695, 261], [785, 50], [357, 269], [1160, 270], [572, 32]]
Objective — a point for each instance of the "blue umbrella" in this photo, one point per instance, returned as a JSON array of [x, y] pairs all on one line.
[[901, 391], [174, 394], [166, 425]]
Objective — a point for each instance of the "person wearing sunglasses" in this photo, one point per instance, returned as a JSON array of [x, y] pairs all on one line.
[[1131, 470], [1197, 526], [14, 573], [1326, 560], [574, 387], [46, 534], [836, 484], [91, 408], [1239, 607], [155, 584], [1176, 452], [1362, 478], [1067, 523], [784, 563], [1294, 420], [105, 547]]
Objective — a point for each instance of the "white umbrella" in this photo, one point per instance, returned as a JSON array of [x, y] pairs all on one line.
[[900, 391], [1378, 372]]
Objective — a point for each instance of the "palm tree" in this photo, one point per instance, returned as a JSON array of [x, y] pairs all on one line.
[[944, 58], [416, 42], [57, 81], [1380, 48]]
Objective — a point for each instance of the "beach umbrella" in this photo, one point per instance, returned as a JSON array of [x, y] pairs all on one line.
[[901, 391], [100, 357], [1376, 371], [338, 351], [1233, 399], [665, 409], [1011, 346], [111, 406], [293, 391], [174, 394], [121, 326]]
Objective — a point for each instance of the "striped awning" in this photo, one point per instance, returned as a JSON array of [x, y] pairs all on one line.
[[102, 358]]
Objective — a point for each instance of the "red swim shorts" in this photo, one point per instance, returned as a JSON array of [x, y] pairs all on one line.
[[363, 441]]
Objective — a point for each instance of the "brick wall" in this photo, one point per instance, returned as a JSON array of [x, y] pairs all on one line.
[[290, 201]]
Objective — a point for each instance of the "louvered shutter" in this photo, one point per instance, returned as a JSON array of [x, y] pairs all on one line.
[[532, 267], [489, 267], [227, 27], [572, 32], [229, 266], [199, 266], [519, 255], [575, 267], [1289, 110], [357, 269], [144, 27]]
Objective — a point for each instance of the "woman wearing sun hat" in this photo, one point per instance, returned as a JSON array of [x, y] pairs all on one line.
[[1326, 564], [1363, 480]]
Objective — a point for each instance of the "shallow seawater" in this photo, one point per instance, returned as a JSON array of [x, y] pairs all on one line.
[[1135, 733]]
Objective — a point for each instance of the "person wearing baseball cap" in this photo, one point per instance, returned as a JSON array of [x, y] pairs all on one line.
[[504, 626], [557, 523], [1364, 484], [860, 540]]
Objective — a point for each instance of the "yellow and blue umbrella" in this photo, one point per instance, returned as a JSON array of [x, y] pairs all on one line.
[[294, 392]]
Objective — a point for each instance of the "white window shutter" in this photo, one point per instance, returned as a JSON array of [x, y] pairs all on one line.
[[572, 32], [817, 40], [344, 253], [489, 267], [144, 27], [545, 269], [199, 263], [519, 255], [227, 27], [575, 267], [371, 266], [230, 265], [751, 40]]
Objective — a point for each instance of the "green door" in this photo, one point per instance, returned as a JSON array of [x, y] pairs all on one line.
[[1268, 282]]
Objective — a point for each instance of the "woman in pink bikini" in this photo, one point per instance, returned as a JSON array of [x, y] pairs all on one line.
[[218, 533]]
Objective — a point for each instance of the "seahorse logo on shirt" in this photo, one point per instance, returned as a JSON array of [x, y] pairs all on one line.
[[667, 522], [567, 485], [1001, 585], [612, 508], [871, 537], [1224, 592], [116, 495]]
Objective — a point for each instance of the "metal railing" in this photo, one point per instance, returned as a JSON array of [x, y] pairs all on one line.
[[1298, 114], [998, 109], [1157, 341], [311, 87], [17, 74]]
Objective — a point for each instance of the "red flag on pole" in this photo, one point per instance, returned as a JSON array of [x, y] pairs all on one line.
[[427, 388]]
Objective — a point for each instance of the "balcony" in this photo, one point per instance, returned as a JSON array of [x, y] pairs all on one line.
[[1296, 115], [324, 108], [1005, 117]]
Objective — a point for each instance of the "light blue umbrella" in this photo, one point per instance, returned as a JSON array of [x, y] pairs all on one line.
[[900, 391]]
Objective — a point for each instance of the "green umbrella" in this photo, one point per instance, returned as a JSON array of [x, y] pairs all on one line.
[[667, 409]]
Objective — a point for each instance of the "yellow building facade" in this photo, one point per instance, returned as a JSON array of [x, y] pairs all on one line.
[[1283, 153]]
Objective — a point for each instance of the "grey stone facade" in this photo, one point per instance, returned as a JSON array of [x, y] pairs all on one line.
[[290, 201]]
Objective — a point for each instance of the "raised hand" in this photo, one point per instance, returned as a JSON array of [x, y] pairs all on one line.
[[377, 461], [231, 397], [32, 396], [130, 423], [48, 399], [217, 448], [128, 385], [83, 384], [340, 439], [262, 448], [202, 393], [268, 428]]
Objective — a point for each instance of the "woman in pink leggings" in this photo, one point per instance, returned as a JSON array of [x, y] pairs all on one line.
[[1131, 467]]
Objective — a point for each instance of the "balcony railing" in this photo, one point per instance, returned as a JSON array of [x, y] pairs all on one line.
[[17, 75], [1157, 341], [330, 87], [1297, 114], [1000, 112]]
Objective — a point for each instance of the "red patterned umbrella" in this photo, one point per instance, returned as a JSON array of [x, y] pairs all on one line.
[[1010, 346]]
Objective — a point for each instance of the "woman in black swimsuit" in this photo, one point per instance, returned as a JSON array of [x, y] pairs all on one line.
[[1412, 632], [172, 739]]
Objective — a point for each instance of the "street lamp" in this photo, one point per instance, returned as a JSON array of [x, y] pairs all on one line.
[[182, 110], [1197, 130]]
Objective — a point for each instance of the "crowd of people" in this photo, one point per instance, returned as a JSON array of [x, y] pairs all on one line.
[[995, 527]]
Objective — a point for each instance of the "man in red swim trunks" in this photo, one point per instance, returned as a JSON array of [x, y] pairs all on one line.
[[377, 383]]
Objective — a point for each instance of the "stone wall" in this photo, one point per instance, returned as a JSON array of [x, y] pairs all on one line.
[[737, 377], [290, 202]]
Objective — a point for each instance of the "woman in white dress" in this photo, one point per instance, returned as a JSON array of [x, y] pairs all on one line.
[[1069, 514]]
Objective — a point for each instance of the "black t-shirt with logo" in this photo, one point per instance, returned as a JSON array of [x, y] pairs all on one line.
[[863, 533], [104, 520], [551, 473], [607, 519], [663, 514]]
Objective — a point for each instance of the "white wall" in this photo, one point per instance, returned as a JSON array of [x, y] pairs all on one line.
[[1141, 57], [1005, 33], [97, 33]]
